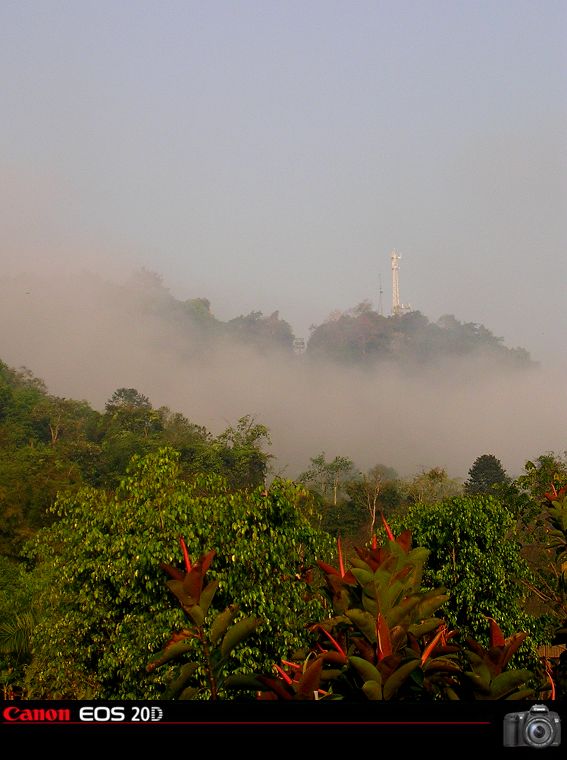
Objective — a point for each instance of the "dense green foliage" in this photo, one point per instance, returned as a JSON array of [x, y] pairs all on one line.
[[110, 605], [205, 646], [99, 500], [388, 640], [18, 615], [51, 445], [476, 552]]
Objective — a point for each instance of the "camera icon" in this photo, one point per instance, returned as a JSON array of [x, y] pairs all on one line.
[[537, 727]]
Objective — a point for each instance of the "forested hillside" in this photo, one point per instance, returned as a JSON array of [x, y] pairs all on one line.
[[50, 445], [363, 336], [357, 336], [95, 505]]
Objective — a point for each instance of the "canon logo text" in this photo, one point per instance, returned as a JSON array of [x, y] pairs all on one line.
[[38, 715]]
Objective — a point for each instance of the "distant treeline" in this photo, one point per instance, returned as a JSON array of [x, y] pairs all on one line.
[[50, 445], [359, 336]]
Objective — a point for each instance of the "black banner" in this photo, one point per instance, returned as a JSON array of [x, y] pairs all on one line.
[[485, 724]]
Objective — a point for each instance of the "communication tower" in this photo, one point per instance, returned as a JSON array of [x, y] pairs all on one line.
[[397, 306]]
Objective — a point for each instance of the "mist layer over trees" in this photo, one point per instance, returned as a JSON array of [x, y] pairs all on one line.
[[102, 497], [405, 391]]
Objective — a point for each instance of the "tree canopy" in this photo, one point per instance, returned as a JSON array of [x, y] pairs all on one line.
[[485, 473], [51, 445], [475, 551], [362, 336], [110, 605]]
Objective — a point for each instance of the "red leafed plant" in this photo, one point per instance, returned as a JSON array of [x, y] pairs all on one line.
[[208, 644], [385, 642]]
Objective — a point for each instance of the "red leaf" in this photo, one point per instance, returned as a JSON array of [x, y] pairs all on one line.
[[206, 560], [349, 578], [335, 657], [383, 643], [269, 696], [365, 649], [293, 665], [341, 563], [387, 527], [327, 568], [496, 636], [173, 572], [549, 674], [373, 558], [432, 644], [179, 636], [404, 540], [276, 686], [374, 542], [513, 643], [311, 679], [185, 554], [193, 583], [283, 674], [334, 642]]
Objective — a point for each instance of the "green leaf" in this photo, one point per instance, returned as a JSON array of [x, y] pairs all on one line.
[[364, 577], [330, 674], [393, 594], [366, 669], [382, 579], [418, 556], [481, 669], [428, 606], [522, 694], [176, 686], [196, 613], [396, 680], [420, 629], [237, 633], [478, 683], [365, 622], [443, 664], [189, 693], [451, 694], [243, 681], [505, 683], [370, 605], [180, 592], [221, 622], [207, 595], [173, 651], [395, 615], [372, 690]]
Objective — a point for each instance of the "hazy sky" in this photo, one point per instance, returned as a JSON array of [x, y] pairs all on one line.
[[269, 155]]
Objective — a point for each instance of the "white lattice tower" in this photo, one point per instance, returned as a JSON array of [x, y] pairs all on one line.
[[395, 258]]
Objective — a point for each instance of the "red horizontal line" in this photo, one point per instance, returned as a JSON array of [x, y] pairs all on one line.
[[248, 723]]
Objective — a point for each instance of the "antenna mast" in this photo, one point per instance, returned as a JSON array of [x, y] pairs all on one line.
[[396, 306]]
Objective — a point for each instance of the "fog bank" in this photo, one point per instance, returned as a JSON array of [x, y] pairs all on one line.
[[85, 337]]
